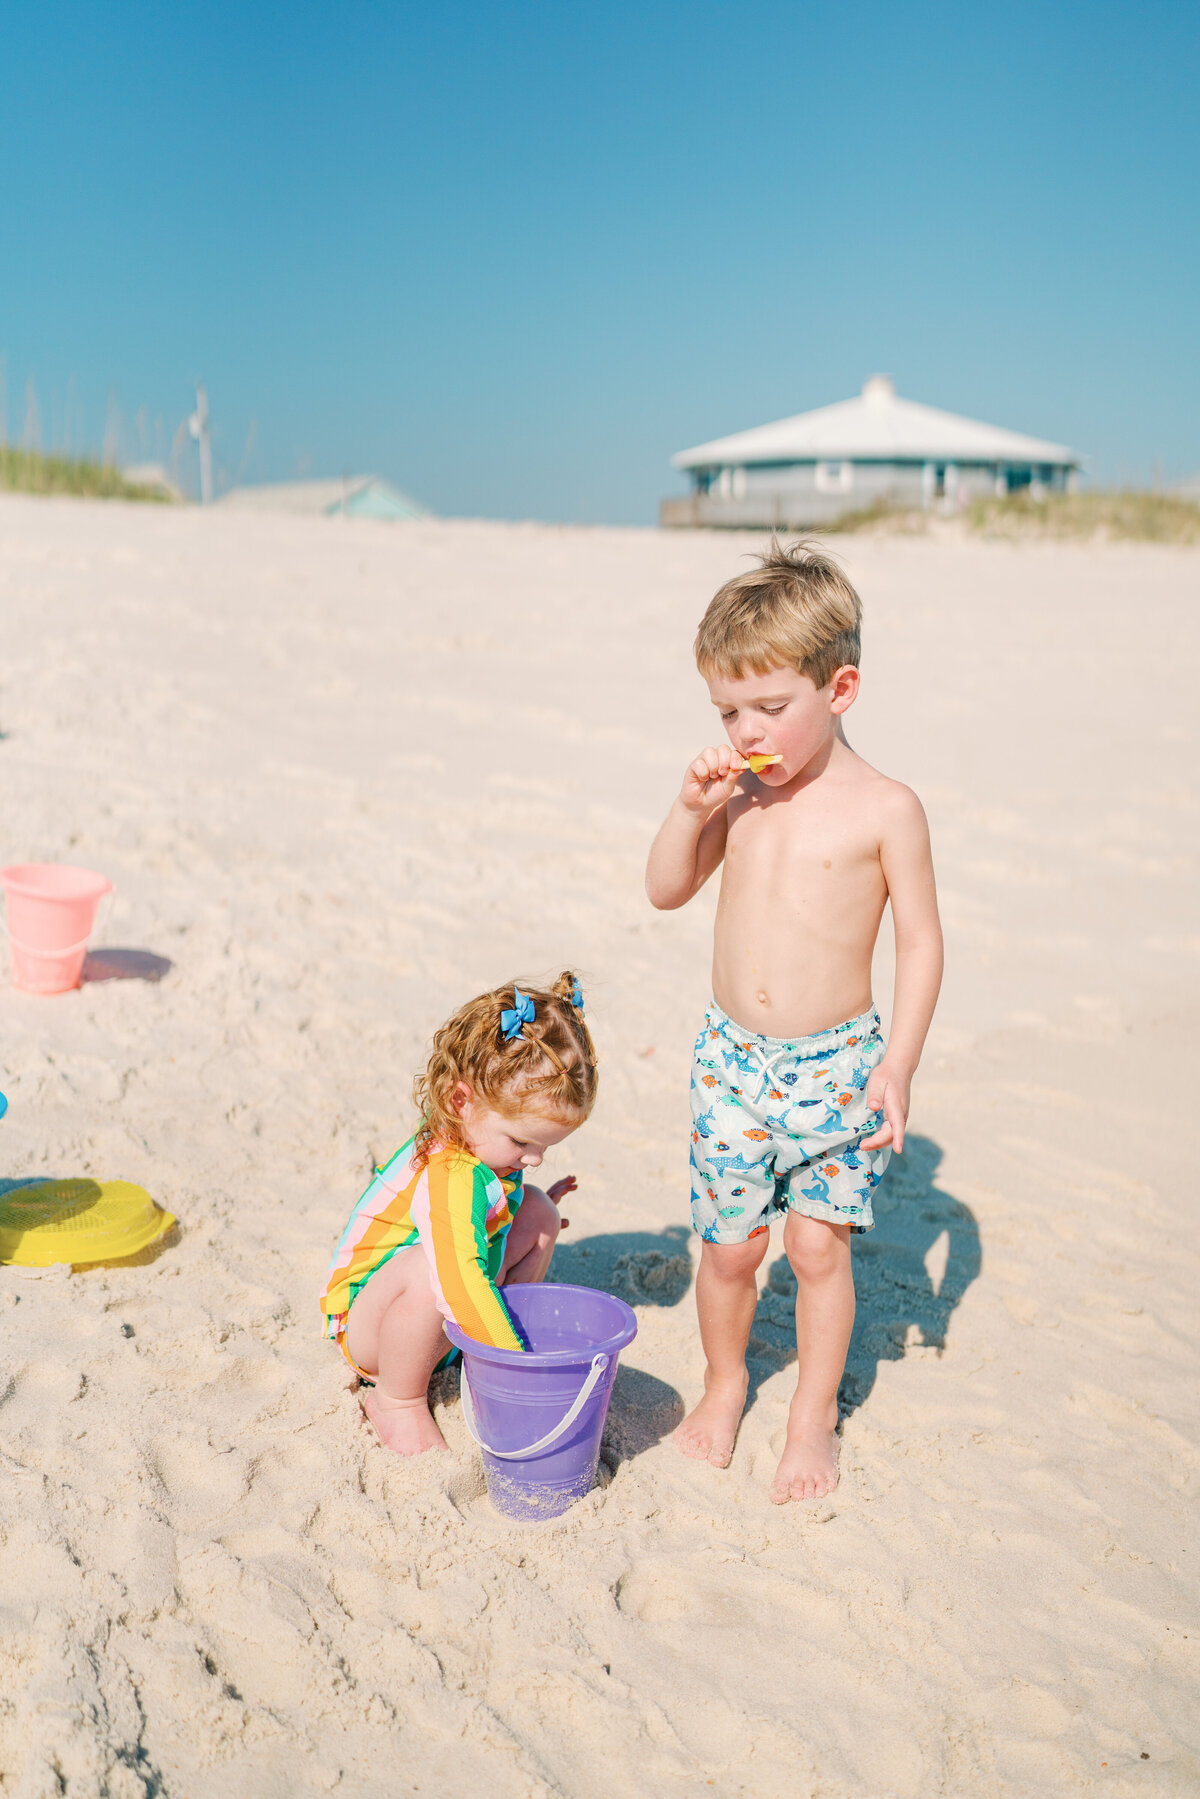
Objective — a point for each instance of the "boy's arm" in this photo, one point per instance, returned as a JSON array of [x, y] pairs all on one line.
[[908, 870], [691, 842]]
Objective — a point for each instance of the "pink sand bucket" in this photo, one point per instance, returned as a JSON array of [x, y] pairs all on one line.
[[51, 914]]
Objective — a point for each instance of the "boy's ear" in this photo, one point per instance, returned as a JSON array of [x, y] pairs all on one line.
[[843, 689]]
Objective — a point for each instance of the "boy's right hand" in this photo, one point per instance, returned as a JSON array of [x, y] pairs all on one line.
[[712, 779]]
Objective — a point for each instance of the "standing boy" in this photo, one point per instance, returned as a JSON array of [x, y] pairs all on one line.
[[796, 1102]]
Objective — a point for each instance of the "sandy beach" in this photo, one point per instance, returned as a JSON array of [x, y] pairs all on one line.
[[347, 774]]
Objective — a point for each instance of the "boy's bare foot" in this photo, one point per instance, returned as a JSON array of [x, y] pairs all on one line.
[[707, 1434], [405, 1425], [808, 1467]]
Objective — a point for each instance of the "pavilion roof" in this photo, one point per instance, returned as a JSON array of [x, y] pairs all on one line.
[[877, 425]]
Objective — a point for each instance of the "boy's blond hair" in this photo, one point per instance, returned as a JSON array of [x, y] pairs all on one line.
[[796, 610]]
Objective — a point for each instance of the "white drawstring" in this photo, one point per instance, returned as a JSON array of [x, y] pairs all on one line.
[[766, 1063]]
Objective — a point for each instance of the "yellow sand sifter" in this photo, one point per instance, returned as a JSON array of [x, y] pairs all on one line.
[[79, 1221]]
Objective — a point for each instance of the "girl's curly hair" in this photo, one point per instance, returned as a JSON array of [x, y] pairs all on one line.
[[550, 1067]]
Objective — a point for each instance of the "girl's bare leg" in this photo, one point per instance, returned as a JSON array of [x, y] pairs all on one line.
[[395, 1333], [529, 1247], [726, 1295], [819, 1254]]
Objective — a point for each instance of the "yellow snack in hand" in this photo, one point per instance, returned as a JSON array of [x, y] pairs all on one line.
[[758, 763]]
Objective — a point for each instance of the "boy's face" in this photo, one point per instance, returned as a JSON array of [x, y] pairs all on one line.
[[781, 713]]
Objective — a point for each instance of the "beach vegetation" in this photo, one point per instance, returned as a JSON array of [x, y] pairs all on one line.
[[1139, 516], [1127, 514], [880, 515], [28, 471]]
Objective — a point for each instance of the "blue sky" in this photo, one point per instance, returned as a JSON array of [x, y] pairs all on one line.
[[514, 255]]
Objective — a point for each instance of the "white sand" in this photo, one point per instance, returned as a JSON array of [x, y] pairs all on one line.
[[346, 775]]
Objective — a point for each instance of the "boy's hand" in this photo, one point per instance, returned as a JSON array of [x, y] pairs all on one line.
[[887, 1092], [711, 779], [558, 1192]]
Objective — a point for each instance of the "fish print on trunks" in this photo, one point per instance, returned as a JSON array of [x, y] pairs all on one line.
[[778, 1125]]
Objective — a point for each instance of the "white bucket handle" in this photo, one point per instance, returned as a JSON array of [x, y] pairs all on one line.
[[71, 949], [599, 1364]]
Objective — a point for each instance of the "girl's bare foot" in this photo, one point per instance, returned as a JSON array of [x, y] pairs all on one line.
[[808, 1467], [707, 1434], [404, 1425]]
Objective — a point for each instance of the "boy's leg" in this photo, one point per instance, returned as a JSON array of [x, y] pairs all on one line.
[[726, 1295], [819, 1254], [395, 1332]]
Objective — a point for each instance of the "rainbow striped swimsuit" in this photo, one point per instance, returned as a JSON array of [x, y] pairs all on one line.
[[459, 1212]]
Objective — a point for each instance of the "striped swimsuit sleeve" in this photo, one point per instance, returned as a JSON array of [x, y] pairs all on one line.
[[450, 1210], [377, 1227]]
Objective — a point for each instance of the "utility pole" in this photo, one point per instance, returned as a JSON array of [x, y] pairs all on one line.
[[198, 426]]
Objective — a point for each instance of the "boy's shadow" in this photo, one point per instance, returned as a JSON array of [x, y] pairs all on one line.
[[644, 1268], [909, 1272]]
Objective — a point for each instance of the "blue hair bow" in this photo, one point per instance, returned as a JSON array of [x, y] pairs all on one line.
[[577, 997], [512, 1023]]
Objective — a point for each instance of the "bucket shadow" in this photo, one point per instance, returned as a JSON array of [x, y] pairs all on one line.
[[124, 965], [915, 1222]]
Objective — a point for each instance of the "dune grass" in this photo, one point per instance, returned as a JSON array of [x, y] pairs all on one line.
[[1139, 517], [27, 471], [1129, 514], [881, 514]]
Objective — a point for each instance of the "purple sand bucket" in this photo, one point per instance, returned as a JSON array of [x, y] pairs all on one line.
[[538, 1415]]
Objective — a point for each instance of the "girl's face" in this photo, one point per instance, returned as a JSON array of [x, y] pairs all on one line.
[[506, 1141]]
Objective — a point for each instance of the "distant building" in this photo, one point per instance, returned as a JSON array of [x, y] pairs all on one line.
[[875, 448], [354, 496]]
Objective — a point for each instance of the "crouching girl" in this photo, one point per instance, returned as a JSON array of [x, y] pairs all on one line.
[[449, 1221]]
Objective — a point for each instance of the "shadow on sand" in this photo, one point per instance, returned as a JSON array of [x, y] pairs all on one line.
[[124, 965], [644, 1268], [909, 1272]]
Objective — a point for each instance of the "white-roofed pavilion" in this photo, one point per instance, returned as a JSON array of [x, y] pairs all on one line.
[[877, 447]]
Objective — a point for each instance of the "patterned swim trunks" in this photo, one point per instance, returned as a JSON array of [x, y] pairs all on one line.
[[778, 1124]]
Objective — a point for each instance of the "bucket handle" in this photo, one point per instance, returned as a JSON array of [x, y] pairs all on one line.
[[27, 949], [599, 1364]]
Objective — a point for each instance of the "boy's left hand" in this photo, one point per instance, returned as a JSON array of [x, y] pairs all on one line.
[[887, 1092], [558, 1192]]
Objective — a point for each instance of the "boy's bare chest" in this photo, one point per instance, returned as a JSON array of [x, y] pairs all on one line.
[[801, 841]]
